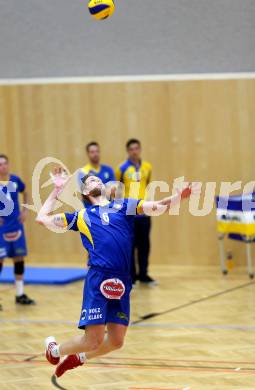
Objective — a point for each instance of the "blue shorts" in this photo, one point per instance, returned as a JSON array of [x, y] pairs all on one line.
[[13, 244], [106, 298]]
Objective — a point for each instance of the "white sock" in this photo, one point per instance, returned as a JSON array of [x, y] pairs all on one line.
[[82, 357], [19, 287], [55, 351]]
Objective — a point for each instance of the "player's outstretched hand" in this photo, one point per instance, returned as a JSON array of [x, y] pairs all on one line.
[[191, 189], [59, 178]]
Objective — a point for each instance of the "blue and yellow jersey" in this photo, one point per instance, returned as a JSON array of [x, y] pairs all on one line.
[[135, 178], [9, 204], [105, 173], [107, 232]]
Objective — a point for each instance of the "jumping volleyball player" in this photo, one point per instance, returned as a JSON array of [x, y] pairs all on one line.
[[106, 230]]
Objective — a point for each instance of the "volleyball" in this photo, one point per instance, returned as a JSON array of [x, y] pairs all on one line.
[[101, 9]]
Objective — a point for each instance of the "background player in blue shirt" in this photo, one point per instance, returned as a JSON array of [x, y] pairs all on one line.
[[106, 230], [12, 235], [94, 166]]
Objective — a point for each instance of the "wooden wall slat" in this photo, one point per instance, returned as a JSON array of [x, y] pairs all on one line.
[[204, 130]]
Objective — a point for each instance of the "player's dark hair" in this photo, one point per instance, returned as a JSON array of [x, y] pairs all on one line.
[[4, 156], [93, 143], [83, 183], [85, 177], [132, 141]]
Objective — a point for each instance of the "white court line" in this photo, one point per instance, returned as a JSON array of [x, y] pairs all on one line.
[[140, 325], [20, 379], [128, 79]]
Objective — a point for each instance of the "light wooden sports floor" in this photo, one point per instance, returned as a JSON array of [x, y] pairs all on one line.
[[205, 340]]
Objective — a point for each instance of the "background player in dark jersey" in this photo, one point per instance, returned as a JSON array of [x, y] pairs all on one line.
[[12, 235], [106, 230], [135, 173]]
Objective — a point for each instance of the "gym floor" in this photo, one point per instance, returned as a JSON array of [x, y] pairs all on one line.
[[200, 337]]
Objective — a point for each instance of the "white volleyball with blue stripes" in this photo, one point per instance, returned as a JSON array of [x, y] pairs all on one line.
[[101, 9]]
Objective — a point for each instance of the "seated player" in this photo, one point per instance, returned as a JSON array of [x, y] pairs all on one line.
[[12, 234], [106, 230]]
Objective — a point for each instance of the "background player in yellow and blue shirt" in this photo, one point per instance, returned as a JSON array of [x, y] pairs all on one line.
[[135, 173], [94, 166], [106, 231], [12, 234]]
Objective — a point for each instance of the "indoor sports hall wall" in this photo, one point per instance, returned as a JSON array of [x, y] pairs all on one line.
[[58, 38], [204, 130]]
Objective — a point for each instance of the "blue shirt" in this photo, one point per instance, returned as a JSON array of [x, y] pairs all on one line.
[[107, 232], [9, 204], [105, 173]]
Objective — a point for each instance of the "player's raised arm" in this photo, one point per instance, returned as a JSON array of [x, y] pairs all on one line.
[[44, 215], [153, 208]]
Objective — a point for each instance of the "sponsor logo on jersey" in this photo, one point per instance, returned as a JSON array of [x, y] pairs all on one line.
[[122, 316], [112, 288], [91, 314], [19, 251], [3, 252], [135, 176], [14, 236], [83, 314]]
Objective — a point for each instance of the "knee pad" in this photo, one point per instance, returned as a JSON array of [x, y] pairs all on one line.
[[19, 267]]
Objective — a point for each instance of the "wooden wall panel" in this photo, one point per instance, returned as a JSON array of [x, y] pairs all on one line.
[[204, 130]]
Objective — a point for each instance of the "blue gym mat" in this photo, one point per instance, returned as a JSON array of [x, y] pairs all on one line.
[[41, 275]]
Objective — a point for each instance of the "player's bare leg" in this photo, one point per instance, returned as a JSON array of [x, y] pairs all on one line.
[[91, 340], [21, 297], [74, 348], [114, 340]]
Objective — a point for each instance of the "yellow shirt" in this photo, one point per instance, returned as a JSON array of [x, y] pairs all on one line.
[[135, 178], [104, 172]]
